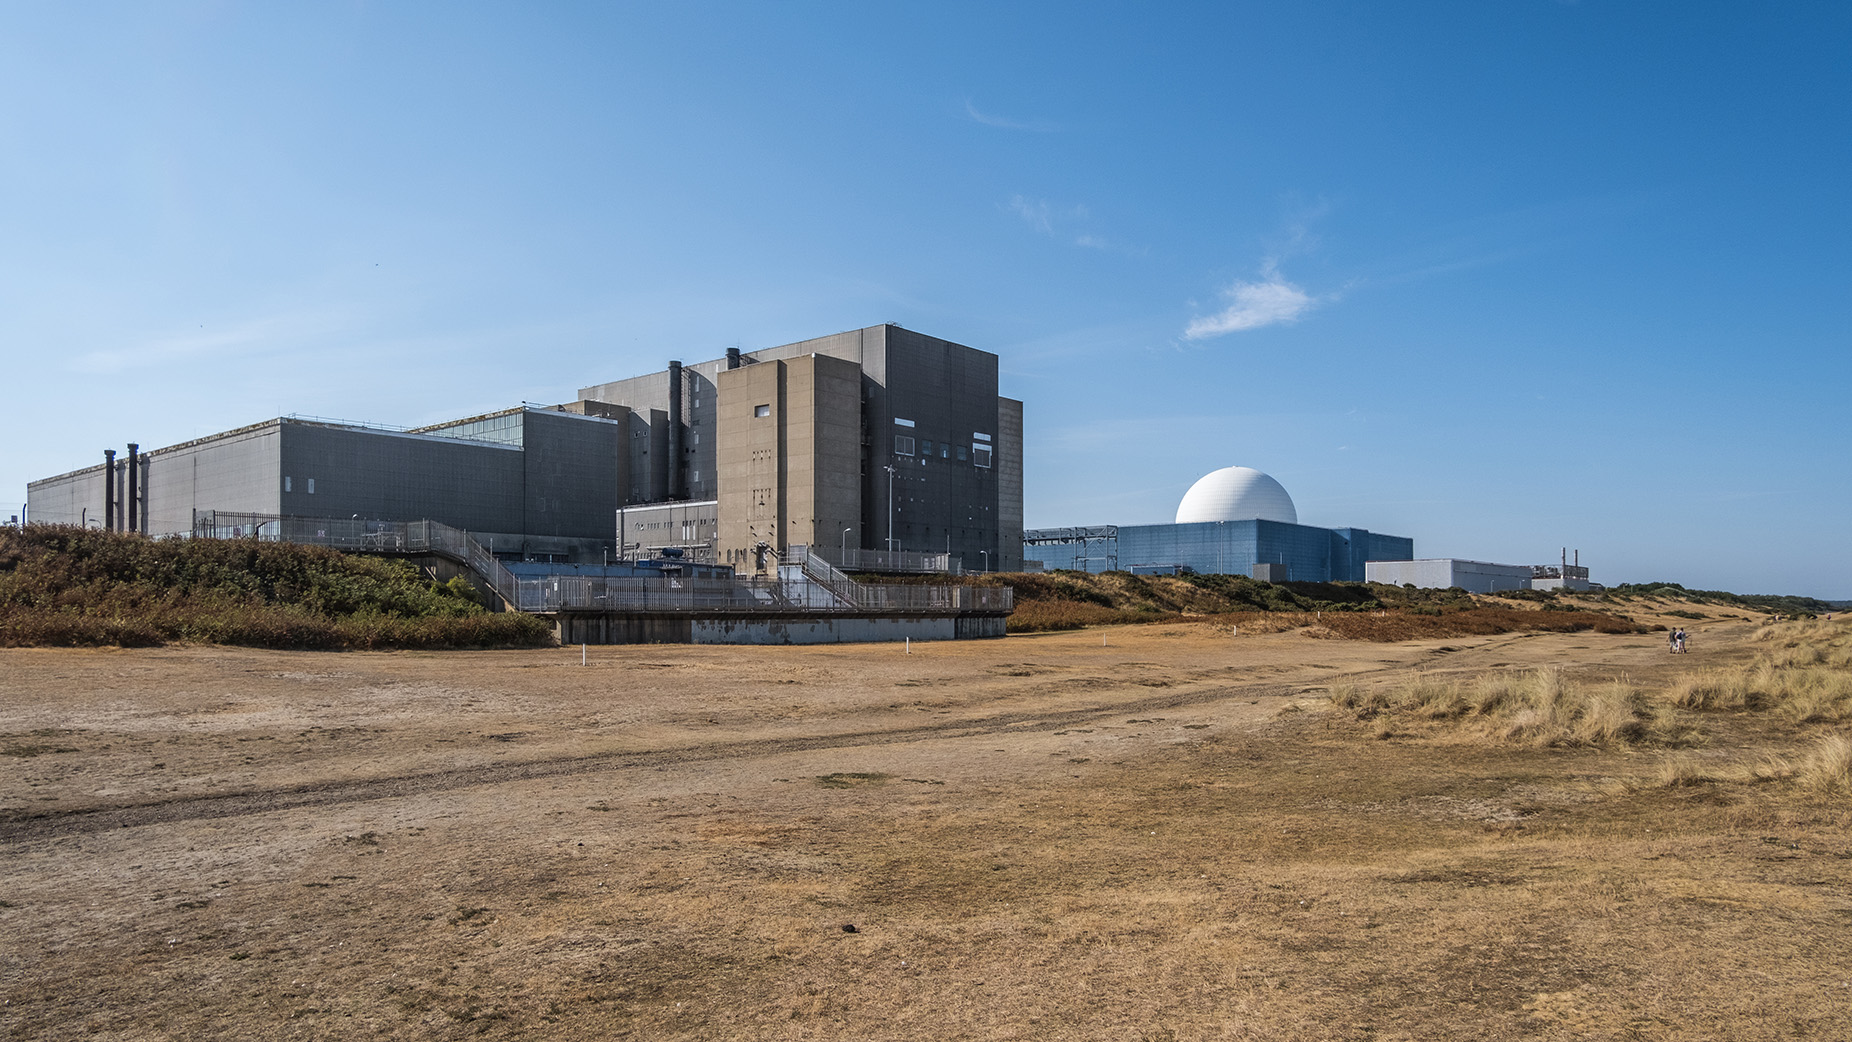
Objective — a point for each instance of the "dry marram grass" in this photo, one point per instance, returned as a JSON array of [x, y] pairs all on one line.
[[1039, 837]]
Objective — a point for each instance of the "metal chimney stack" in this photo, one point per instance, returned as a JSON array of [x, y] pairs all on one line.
[[733, 358], [134, 486], [675, 431], [109, 489]]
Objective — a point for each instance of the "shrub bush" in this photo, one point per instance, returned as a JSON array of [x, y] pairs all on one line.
[[61, 585]]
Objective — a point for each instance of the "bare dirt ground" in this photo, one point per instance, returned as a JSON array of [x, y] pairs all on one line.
[[1159, 832]]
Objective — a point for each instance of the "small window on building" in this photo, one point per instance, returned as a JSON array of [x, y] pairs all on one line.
[[903, 445], [925, 447], [961, 454], [980, 437], [945, 450], [980, 455], [697, 476], [761, 410], [898, 422], [286, 487], [311, 486]]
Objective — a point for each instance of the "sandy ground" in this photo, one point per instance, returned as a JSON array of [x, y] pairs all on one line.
[[1155, 832]]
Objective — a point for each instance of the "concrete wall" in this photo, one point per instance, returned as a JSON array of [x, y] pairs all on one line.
[[237, 470], [751, 463], [792, 475], [386, 476], [824, 629], [1445, 572], [948, 392], [1009, 467], [572, 468], [831, 629], [946, 498], [1572, 584]]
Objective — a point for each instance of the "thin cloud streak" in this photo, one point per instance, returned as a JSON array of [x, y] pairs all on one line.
[[1003, 123], [1271, 301]]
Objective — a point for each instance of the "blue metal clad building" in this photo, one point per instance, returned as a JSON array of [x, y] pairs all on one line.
[[1229, 521], [1310, 554]]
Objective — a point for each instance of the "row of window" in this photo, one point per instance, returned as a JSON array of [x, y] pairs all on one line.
[[289, 485], [905, 445]]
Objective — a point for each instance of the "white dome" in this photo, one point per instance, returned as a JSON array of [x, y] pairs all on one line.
[[1236, 494]]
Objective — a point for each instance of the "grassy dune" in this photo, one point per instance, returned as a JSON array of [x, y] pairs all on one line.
[[66, 586], [1345, 611], [1802, 676]]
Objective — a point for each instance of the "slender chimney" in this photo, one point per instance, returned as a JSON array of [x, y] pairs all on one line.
[[733, 358], [134, 485], [675, 430], [109, 489]]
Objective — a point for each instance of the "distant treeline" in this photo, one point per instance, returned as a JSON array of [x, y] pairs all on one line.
[[62, 585]]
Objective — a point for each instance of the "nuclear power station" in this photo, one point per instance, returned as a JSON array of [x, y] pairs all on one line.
[[881, 448]]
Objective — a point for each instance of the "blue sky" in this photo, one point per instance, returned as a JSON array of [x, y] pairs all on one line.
[[1503, 277]]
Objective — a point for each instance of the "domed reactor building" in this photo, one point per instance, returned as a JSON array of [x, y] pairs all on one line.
[[1234, 521]]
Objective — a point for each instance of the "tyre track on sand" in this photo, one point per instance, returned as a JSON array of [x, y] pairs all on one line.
[[47, 825], [22, 828]]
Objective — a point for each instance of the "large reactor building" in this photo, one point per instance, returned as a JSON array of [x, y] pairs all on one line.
[[1234, 521], [882, 448]]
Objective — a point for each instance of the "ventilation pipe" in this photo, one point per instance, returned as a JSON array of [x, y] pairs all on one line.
[[134, 485], [733, 358], [675, 431], [109, 489]]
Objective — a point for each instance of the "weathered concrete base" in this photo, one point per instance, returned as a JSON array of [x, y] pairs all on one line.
[[734, 628]]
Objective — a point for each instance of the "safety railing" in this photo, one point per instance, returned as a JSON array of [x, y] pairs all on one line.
[[817, 570], [358, 534], [793, 596], [900, 561], [809, 586]]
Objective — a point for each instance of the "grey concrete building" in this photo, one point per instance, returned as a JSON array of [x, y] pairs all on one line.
[[875, 439], [1440, 573], [533, 482], [888, 440]]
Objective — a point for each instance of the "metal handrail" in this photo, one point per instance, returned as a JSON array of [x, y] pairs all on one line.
[[817, 588]]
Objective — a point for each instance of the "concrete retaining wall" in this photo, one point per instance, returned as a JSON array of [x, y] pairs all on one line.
[[618, 628]]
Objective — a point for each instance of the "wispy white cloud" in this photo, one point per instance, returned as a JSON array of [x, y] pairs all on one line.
[[1252, 305], [1004, 123], [1035, 212], [1055, 222]]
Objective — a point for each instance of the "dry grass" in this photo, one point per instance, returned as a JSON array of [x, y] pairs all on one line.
[[1802, 678], [1343, 611], [1828, 768], [1539, 708], [1030, 838], [1805, 674]]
